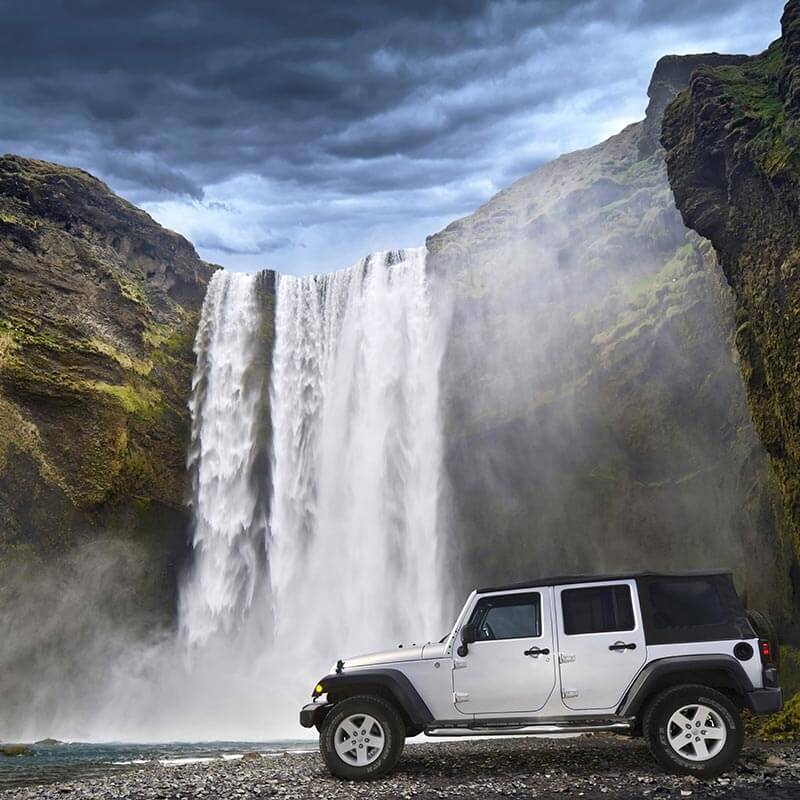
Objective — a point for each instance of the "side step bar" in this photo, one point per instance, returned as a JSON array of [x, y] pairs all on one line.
[[531, 730]]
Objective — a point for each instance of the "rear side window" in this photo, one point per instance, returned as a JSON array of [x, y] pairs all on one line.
[[692, 609], [681, 604], [516, 616], [597, 609]]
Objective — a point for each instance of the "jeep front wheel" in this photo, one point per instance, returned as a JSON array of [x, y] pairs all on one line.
[[362, 738], [694, 730]]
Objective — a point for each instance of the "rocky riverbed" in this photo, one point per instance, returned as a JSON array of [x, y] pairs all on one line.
[[589, 767]]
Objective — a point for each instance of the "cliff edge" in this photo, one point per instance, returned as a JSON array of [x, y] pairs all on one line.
[[732, 144]]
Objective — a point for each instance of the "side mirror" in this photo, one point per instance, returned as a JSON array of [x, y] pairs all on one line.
[[469, 634]]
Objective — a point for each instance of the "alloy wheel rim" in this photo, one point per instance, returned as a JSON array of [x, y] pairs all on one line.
[[359, 740], [696, 732]]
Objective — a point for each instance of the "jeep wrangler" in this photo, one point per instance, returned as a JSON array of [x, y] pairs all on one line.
[[670, 657]]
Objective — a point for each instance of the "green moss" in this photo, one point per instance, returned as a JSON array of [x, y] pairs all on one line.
[[784, 726], [137, 475], [752, 91], [157, 335], [753, 86], [139, 366], [169, 339], [143, 401], [777, 156], [7, 343], [130, 289], [25, 331]]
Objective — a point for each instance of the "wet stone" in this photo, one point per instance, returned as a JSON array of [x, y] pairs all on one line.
[[590, 767]]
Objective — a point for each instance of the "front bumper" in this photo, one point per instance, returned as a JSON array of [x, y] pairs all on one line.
[[764, 701], [311, 715]]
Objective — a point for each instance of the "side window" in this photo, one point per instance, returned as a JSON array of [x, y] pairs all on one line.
[[685, 603], [692, 609], [597, 609], [515, 616]]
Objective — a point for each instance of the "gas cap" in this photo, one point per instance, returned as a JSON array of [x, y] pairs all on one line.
[[743, 651]]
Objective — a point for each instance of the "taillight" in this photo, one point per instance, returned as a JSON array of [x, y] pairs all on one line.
[[765, 649]]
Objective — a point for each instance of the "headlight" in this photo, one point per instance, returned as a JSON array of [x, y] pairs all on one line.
[[318, 690]]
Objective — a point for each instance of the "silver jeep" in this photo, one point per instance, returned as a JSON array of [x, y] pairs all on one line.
[[671, 657]]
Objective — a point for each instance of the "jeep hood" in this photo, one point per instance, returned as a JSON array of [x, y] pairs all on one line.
[[397, 654]]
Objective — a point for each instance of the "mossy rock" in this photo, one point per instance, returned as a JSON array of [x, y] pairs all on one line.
[[784, 726], [15, 750], [98, 310]]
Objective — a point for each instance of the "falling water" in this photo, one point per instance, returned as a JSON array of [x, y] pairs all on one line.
[[355, 555], [226, 406], [335, 547]]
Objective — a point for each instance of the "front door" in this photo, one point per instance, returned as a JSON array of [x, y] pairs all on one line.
[[601, 644], [511, 668]]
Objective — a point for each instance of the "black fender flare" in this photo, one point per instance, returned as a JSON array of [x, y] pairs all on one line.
[[661, 673], [387, 682]]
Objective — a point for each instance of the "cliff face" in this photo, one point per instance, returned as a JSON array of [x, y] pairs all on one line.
[[732, 141], [671, 76], [596, 413], [98, 307]]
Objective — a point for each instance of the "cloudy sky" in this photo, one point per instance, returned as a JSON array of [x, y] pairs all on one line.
[[301, 135]]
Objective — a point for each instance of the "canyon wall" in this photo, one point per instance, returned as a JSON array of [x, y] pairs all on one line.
[[98, 309], [732, 153]]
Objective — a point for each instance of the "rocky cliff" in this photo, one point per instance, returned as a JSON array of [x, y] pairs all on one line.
[[597, 417], [732, 142], [98, 307]]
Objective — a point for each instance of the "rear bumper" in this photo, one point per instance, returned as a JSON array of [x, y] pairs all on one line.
[[764, 701], [313, 714]]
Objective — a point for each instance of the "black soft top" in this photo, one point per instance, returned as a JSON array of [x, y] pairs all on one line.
[[562, 580]]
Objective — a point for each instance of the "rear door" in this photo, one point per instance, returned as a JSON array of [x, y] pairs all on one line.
[[511, 668], [600, 641]]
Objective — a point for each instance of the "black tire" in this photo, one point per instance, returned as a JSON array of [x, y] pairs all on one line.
[[765, 629], [391, 725], [656, 728]]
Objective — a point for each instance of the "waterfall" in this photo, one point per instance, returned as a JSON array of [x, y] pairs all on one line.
[[226, 405], [335, 547], [356, 554]]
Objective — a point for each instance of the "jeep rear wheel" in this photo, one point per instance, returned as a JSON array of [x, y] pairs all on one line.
[[693, 730], [362, 738]]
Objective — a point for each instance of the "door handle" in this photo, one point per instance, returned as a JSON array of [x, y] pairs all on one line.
[[620, 646], [537, 651]]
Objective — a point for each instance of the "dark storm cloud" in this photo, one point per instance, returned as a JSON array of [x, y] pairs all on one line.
[[212, 241], [429, 104], [146, 172]]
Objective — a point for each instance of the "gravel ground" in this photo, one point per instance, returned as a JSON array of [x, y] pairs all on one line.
[[589, 767]]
